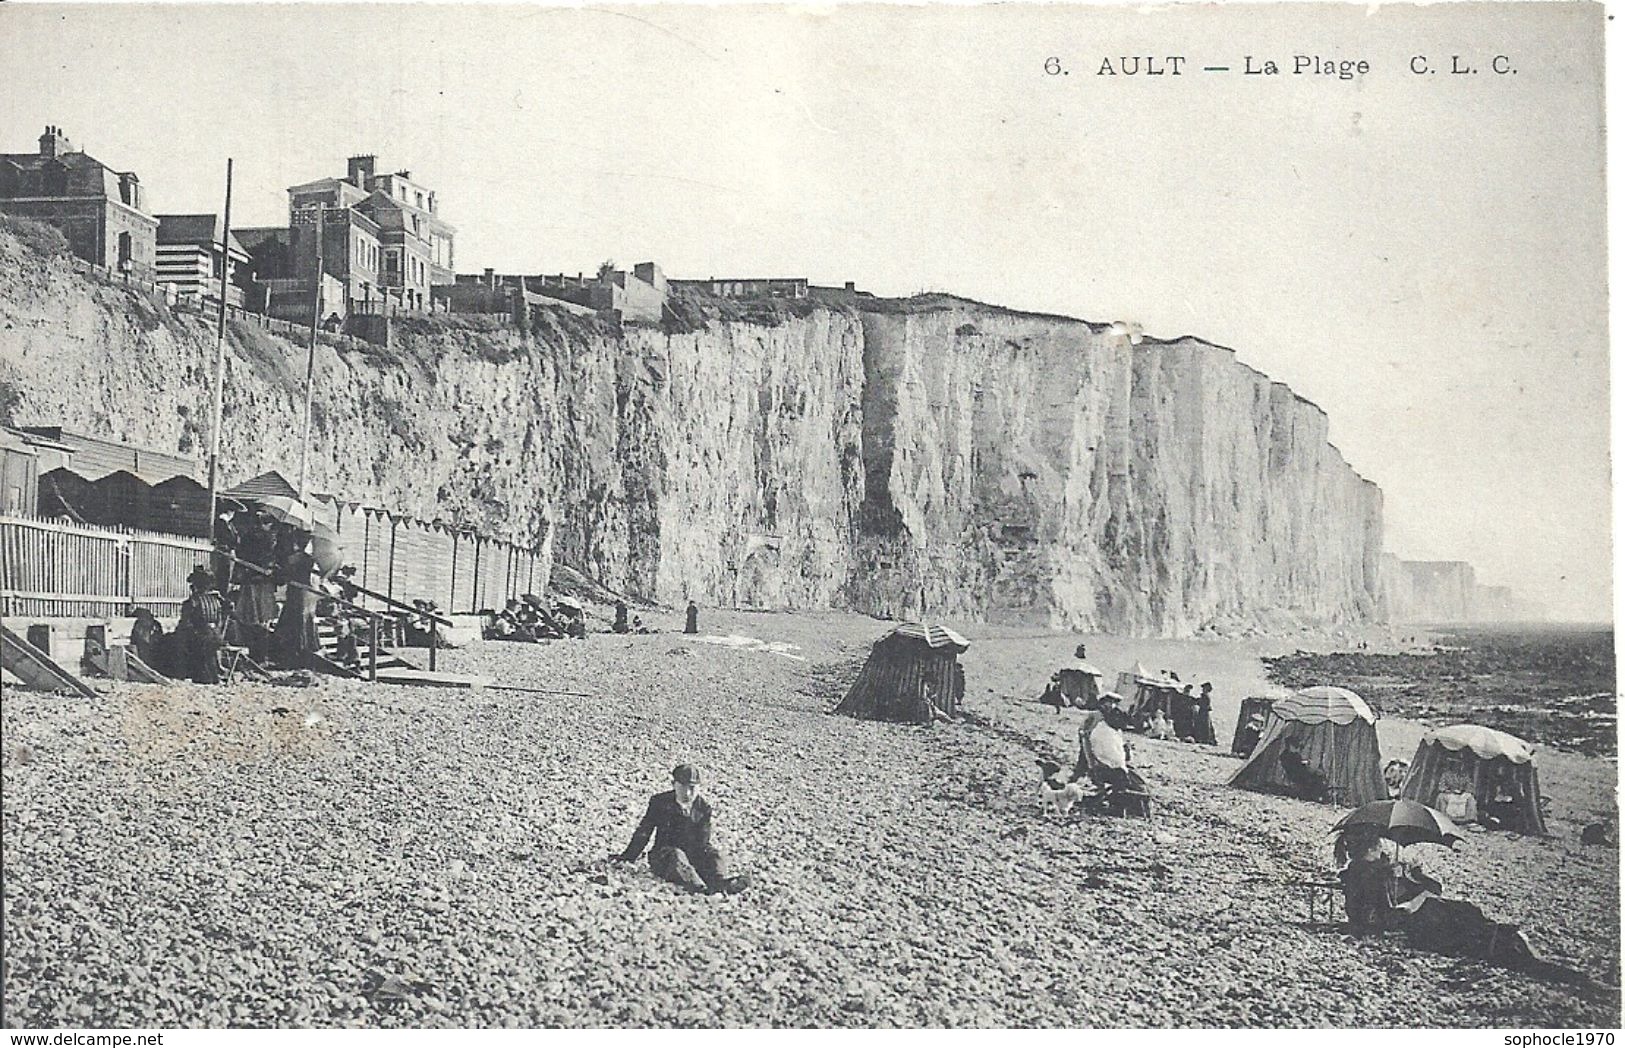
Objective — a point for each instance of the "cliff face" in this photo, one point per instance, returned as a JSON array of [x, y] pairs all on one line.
[[1033, 468], [1446, 591], [882, 456]]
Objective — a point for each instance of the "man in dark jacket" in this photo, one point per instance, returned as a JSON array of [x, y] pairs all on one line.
[[680, 822]]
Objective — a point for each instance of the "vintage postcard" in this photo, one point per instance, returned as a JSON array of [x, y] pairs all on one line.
[[844, 516]]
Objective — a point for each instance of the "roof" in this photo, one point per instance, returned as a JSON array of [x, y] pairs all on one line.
[[1323, 704], [268, 483], [934, 636], [194, 229], [1488, 743], [254, 236], [96, 457]]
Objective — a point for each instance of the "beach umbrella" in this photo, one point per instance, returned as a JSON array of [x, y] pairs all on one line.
[[327, 548], [568, 602], [1403, 822], [1323, 704], [286, 510]]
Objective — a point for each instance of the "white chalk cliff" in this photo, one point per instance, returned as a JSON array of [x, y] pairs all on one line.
[[884, 456]]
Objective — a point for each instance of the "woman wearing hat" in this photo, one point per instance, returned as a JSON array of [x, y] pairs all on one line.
[[202, 629], [296, 638]]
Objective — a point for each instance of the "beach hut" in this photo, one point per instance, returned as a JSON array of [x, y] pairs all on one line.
[[1318, 744], [1250, 724], [913, 676], [1485, 775], [1145, 691]]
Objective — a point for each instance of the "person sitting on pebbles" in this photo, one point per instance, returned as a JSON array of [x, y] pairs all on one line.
[[680, 822]]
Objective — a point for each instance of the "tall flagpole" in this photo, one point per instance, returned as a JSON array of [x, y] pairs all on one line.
[[219, 361], [310, 359]]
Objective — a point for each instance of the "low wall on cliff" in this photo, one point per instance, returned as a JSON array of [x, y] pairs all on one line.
[[932, 456]]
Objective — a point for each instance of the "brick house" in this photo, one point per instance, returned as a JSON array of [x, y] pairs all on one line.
[[98, 209]]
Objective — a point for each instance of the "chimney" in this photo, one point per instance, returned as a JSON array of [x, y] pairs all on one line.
[[53, 143], [851, 285], [491, 278], [361, 169]]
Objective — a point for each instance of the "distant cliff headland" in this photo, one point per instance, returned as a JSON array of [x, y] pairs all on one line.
[[929, 456]]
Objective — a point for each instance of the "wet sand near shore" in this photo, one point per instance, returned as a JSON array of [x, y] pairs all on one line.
[[275, 856]]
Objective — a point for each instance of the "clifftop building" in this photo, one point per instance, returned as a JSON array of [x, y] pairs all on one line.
[[99, 210], [384, 244], [190, 258]]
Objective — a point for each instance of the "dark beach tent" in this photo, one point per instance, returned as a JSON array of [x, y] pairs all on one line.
[[913, 676], [1250, 724], [1318, 744], [1495, 769]]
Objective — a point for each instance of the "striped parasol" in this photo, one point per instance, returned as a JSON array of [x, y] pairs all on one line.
[[1323, 704], [934, 636]]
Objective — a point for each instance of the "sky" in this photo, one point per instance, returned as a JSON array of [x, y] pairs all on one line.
[[1421, 254]]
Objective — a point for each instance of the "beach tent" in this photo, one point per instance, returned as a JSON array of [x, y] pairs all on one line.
[[1145, 691], [1250, 724], [913, 676], [1080, 684], [1467, 760], [1320, 743]]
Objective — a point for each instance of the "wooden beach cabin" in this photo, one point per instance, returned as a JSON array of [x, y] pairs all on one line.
[[913, 676]]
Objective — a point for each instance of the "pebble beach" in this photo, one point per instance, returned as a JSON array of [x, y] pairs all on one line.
[[348, 854]]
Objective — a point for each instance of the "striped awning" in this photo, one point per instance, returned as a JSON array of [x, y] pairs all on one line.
[[934, 636], [1323, 704], [1486, 742]]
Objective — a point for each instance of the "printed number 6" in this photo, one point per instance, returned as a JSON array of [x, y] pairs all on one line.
[[1052, 66]]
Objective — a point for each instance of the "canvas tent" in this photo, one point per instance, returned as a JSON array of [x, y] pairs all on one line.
[[1079, 684], [1250, 724], [913, 676], [1486, 775], [1145, 691], [1318, 744]]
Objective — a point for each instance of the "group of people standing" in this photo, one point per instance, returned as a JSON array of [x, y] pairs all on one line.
[[1179, 713], [235, 603]]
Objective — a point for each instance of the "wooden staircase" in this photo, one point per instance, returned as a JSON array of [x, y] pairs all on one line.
[[35, 669], [392, 669]]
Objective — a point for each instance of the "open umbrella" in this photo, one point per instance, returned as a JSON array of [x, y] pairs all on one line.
[[1403, 822], [284, 509], [326, 547], [568, 602]]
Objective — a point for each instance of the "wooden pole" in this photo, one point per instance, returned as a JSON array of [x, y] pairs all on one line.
[[219, 363], [310, 359]]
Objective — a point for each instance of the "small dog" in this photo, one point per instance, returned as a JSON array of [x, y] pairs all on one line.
[[1056, 793]]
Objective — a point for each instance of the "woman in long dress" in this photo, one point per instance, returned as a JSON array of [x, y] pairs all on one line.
[[296, 638]]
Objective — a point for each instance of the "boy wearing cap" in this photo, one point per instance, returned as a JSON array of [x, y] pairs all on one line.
[[680, 822]]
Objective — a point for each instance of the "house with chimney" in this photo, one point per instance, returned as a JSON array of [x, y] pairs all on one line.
[[383, 245], [99, 209]]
